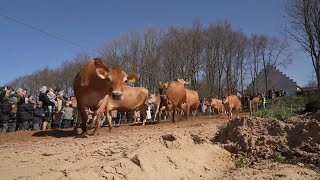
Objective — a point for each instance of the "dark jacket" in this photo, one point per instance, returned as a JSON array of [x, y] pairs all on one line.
[[5, 111], [38, 115], [45, 103], [24, 112]]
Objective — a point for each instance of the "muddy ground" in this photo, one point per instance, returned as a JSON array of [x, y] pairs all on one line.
[[182, 150]]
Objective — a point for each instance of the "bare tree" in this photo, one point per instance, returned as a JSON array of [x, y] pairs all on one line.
[[275, 53], [304, 27]]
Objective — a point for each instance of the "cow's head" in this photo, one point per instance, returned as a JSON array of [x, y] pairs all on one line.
[[151, 98], [163, 88], [182, 81], [115, 78], [225, 99]]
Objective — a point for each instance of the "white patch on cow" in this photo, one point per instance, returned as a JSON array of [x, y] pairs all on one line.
[[149, 112]]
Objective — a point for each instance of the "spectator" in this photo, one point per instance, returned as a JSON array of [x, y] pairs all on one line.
[[5, 111], [60, 104], [45, 105], [21, 93], [52, 97], [12, 122], [38, 116], [24, 115], [204, 105], [2, 93], [67, 115], [31, 101]]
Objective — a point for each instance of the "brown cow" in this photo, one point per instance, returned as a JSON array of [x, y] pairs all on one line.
[[255, 103], [154, 101], [94, 81], [217, 105], [134, 99], [175, 92], [231, 103], [192, 102]]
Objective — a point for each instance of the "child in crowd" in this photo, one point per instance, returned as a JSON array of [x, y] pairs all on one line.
[[38, 116], [67, 115], [52, 97]]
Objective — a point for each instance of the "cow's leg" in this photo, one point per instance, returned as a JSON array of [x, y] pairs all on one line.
[[109, 118], [156, 114], [79, 119], [97, 120], [187, 111], [84, 117], [174, 109], [143, 112], [99, 113], [135, 116]]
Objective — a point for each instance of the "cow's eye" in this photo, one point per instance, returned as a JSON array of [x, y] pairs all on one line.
[[125, 81], [109, 79]]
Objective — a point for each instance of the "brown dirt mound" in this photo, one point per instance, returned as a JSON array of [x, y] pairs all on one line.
[[297, 139]]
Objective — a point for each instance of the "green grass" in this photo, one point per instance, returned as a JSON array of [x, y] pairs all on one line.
[[242, 162], [279, 158], [282, 108], [221, 127]]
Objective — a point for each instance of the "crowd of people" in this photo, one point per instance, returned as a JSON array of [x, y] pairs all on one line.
[[20, 111]]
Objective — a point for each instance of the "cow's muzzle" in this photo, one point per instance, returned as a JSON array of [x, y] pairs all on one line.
[[116, 95]]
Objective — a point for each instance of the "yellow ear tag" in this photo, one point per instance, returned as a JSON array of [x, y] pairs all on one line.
[[133, 80], [101, 76]]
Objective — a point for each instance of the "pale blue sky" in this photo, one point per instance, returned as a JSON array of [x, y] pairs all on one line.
[[93, 23]]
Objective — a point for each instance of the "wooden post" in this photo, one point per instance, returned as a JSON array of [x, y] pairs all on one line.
[[250, 107]]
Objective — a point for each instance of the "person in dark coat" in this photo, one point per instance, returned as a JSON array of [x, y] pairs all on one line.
[[45, 105], [24, 115], [12, 122], [38, 116], [5, 111]]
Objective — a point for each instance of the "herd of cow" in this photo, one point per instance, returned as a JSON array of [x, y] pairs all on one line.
[[104, 89]]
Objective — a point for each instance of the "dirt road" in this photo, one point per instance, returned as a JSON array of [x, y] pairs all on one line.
[[182, 150]]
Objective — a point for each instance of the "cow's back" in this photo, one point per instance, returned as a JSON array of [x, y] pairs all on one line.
[[233, 102], [176, 93], [217, 103], [192, 98], [133, 99]]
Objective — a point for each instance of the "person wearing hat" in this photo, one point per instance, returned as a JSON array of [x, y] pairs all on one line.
[[45, 105], [38, 116]]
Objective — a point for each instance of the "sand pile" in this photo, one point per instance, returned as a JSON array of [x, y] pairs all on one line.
[[296, 139]]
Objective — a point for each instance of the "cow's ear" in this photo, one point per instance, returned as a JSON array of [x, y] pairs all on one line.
[[98, 63], [165, 85], [133, 77], [160, 84], [101, 73]]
